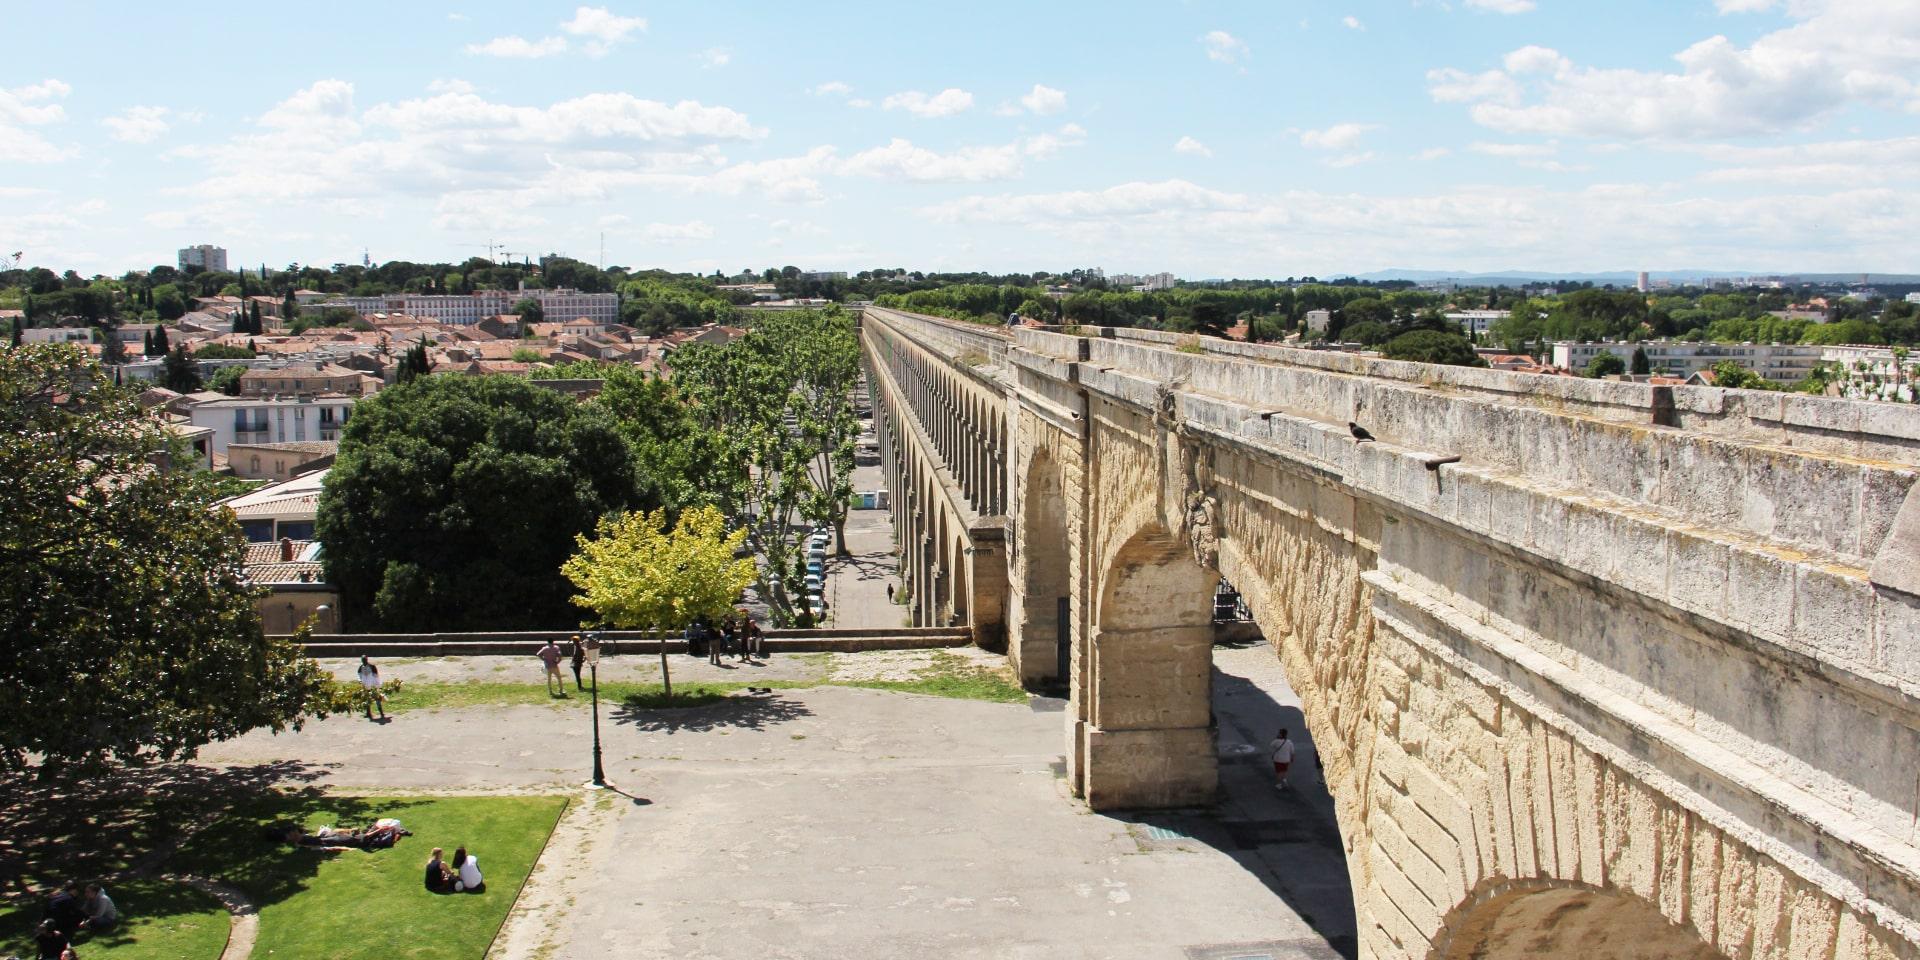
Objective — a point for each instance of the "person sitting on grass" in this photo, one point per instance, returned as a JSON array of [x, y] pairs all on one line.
[[439, 879], [466, 871], [65, 911], [101, 913], [48, 941]]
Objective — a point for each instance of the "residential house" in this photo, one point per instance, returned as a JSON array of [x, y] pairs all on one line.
[[280, 461]]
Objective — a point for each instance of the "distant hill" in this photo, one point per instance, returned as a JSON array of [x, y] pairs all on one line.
[[1621, 277]]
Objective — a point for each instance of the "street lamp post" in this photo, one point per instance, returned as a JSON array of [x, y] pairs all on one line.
[[593, 662]]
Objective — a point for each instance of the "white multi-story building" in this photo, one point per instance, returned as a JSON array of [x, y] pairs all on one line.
[[272, 420], [467, 309], [1779, 362], [57, 335], [1914, 297], [204, 256], [1478, 321], [1317, 320]]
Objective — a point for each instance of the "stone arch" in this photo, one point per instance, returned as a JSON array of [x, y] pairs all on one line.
[[959, 613], [1045, 580], [1148, 742], [1548, 919]]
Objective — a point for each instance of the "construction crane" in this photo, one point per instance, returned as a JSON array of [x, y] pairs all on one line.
[[493, 249]]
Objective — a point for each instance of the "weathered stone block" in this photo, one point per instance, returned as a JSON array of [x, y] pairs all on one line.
[[1760, 593], [1833, 612]]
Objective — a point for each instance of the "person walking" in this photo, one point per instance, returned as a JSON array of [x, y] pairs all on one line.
[[708, 637], [1282, 758], [550, 655], [889, 593], [370, 682], [579, 660]]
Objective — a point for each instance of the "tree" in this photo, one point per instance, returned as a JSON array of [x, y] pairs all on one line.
[[689, 462], [1367, 333], [179, 373], [1432, 346], [794, 368], [530, 312], [637, 574], [1641, 365], [221, 351], [1606, 365], [1729, 373], [146, 344], [168, 304], [454, 501], [227, 380], [130, 627], [413, 364], [161, 345]]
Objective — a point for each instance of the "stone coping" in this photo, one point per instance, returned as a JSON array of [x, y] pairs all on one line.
[[627, 642]]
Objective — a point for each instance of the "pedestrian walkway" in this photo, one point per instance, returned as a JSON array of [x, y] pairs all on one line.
[[857, 585]]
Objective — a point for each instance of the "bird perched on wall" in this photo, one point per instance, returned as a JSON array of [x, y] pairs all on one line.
[[1360, 434]]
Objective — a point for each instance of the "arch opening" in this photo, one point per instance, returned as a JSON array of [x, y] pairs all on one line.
[[1043, 620], [1575, 922]]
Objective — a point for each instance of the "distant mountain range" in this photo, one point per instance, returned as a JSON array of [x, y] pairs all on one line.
[[1622, 277]]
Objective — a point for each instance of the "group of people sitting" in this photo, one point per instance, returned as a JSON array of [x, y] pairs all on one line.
[[460, 876], [70, 911], [737, 635]]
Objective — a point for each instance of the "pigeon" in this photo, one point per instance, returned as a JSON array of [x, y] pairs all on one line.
[[1360, 434]]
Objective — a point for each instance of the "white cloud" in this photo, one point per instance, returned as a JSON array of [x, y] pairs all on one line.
[[1501, 6], [138, 124], [1192, 147], [1853, 162], [1340, 136], [1433, 153], [1350, 160], [1536, 59], [324, 109], [690, 231], [859, 103], [602, 28], [1352, 23], [1515, 150], [1742, 6], [716, 57], [1044, 100], [943, 104], [23, 107], [1047, 144], [1224, 47], [832, 88], [901, 160], [519, 48], [1839, 53]]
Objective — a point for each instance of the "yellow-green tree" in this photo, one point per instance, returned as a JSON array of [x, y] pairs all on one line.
[[637, 573]]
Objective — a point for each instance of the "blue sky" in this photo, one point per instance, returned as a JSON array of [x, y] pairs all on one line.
[[1286, 137]]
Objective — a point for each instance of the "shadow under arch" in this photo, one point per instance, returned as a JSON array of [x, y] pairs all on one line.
[[1510, 920]]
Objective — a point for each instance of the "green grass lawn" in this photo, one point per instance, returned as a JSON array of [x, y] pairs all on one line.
[[948, 675], [159, 921], [371, 904]]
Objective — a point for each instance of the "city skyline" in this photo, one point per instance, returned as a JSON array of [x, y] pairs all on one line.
[[1198, 138]]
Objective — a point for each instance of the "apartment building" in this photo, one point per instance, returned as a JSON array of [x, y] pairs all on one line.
[[272, 419], [203, 256], [1779, 362], [471, 308]]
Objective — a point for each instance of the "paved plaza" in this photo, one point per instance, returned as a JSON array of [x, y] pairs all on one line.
[[831, 822]]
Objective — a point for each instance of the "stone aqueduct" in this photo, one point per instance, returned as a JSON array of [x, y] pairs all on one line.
[[1593, 667]]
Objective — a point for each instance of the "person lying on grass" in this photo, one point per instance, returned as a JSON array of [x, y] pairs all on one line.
[[381, 835]]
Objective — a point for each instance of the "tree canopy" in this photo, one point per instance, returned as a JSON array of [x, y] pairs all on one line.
[[637, 573], [1432, 346], [454, 501], [130, 629]]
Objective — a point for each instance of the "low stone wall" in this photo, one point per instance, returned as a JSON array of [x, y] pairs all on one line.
[[622, 641]]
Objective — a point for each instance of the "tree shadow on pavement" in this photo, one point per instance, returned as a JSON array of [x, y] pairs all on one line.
[[744, 711], [77, 824]]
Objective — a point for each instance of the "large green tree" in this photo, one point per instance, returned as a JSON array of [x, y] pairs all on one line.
[[455, 499], [130, 628], [1432, 346]]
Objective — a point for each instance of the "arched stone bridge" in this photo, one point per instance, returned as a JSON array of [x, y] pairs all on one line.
[[1595, 668]]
